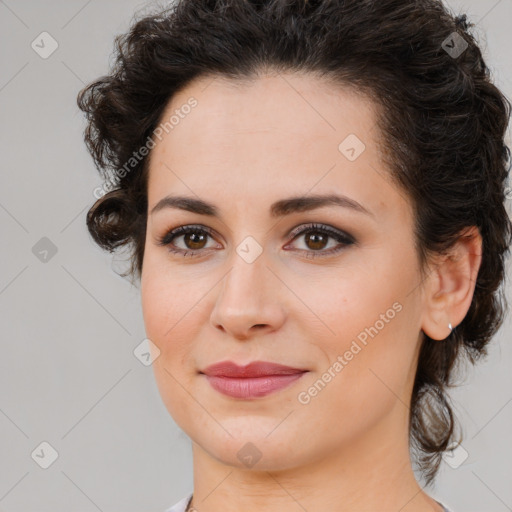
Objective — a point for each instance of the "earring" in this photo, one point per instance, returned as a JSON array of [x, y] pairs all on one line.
[[450, 327]]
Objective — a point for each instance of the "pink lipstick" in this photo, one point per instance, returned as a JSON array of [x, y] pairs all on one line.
[[254, 380]]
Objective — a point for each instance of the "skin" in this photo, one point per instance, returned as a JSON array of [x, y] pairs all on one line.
[[244, 146]]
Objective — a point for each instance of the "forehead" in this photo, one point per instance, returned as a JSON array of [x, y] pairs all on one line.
[[276, 133], [286, 104]]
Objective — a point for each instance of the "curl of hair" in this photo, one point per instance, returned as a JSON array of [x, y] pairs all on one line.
[[441, 119]]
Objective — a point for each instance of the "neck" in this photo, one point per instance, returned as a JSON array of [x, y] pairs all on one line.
[[371, 473]]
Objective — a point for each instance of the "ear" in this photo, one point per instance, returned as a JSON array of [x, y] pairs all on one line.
[[450, 285]]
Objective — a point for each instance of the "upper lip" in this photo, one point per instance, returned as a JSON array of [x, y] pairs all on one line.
[[254, 369]]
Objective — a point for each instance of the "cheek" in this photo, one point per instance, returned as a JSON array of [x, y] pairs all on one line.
[[170, 318], [175, 310], [166, 298], [340, 305], [170, 323], [364, 373], [369, 325]]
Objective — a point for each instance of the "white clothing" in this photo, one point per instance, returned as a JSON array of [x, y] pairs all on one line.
[[182, 505]]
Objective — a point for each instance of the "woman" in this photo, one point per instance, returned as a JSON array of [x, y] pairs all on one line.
[[314, 194]]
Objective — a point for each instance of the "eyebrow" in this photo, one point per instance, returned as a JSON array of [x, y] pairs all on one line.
[[278, 209]]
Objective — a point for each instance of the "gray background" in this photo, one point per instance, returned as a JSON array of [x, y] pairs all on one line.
[[69, 325]]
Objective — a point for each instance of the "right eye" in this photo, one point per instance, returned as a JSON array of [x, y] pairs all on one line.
[[194, 238]]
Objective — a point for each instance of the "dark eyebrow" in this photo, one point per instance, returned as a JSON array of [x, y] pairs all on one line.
[[277, 209]]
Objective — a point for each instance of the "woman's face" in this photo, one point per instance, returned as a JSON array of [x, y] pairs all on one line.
[[252, 288]]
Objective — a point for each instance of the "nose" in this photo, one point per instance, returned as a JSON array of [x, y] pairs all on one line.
[[249, 300]]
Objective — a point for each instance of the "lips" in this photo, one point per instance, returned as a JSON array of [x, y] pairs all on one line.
[[255, 380], [252, 370]]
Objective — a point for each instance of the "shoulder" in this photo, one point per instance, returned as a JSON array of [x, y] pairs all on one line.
[[445, 509], [181, 505]]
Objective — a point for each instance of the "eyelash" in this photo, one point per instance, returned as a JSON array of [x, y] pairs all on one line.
[[339, 236]]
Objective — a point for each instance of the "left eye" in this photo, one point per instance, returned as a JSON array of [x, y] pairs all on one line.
[[316, 239], [316, 236]]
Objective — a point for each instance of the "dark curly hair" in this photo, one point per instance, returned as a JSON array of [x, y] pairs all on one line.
[[442, 120]]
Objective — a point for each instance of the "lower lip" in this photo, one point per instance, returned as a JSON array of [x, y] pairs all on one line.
[[252, 387]]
